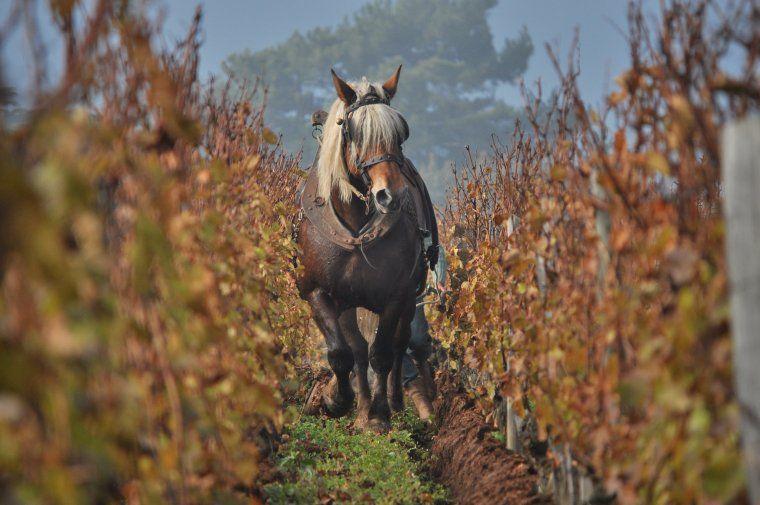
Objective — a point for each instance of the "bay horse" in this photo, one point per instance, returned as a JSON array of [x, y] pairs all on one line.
[[360, 245]]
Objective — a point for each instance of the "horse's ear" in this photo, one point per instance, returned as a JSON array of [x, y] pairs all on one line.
[[391, 84], [345, 92]]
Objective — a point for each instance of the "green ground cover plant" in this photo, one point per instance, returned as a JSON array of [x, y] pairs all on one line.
[[325, 459]]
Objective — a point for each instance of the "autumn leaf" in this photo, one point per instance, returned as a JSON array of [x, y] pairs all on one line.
[[657, 163], [558, 173], [270, 137]]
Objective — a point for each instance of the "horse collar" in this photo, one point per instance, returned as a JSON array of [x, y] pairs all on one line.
[[320, 212]]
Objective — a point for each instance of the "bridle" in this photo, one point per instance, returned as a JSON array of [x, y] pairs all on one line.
[[363, 166]]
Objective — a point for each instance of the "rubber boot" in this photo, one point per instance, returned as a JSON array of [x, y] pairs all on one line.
[[421, 398], [426, 374]]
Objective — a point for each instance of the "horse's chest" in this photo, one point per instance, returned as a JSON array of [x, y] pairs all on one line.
[[365, 276], [371, 280], [368, 278]]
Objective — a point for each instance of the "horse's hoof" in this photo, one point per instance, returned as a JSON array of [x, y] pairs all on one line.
[[380, 426], [362, 416], [336, 409], [396, 406], [361, 422]]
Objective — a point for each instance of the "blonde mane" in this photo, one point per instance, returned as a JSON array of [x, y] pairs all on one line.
[[373, 127]]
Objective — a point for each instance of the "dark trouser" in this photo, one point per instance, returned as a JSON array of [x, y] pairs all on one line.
[[420, 346]]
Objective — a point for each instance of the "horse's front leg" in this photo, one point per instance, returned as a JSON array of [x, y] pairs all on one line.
[[381, 355], [339, 400], [355, 339], [400, 345]]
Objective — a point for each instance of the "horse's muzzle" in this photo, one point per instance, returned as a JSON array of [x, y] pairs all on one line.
[[386, 202]]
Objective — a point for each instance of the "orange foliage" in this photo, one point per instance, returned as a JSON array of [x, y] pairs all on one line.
[[589, 270], [147, 311]]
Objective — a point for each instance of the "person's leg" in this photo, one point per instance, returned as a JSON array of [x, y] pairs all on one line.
[[368, 322], [416, 370], [420, 344], [408, 369], [421, 348]]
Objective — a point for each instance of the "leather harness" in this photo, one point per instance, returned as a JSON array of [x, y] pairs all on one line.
[[322, 215]]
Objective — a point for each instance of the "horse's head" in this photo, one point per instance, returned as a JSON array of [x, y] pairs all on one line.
[[363, 136]]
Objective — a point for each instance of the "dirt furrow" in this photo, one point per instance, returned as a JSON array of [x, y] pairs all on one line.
[[471, 462]]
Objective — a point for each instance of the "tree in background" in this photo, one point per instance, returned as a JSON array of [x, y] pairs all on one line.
[[448, 86]]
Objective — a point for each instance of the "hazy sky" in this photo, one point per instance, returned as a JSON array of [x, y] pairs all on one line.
[[233, 25]]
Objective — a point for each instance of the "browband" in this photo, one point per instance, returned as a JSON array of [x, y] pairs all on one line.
[[364, 165]]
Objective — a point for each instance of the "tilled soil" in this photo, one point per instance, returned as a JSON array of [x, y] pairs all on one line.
[[477, 468]]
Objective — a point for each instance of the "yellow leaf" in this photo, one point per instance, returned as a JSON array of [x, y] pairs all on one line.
[[682, 110], [657, 163], [509, 257], [616, 97], [558, 173], [542, 244], [270, 137], [253, 160]]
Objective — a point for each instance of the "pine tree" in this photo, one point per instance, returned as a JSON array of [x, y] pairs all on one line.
[[450, 75]]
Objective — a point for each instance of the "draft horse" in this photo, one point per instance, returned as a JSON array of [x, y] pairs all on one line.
[[364, 214]]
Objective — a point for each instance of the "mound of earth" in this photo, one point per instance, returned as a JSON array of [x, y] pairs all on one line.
[[475, 466]]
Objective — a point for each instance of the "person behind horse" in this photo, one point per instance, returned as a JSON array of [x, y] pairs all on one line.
[[416, 370]]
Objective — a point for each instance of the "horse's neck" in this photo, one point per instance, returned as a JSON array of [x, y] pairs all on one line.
[[353, 213]]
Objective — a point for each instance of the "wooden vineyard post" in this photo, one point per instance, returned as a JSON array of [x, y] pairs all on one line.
[[741, 182]]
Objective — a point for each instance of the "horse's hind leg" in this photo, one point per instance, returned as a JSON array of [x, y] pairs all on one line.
[[340, 400], [350, 328]]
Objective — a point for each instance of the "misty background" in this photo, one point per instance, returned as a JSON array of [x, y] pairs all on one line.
[[463, 60]]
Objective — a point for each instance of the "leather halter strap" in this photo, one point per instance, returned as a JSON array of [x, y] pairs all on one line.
[[364, 165], [370, 99]]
